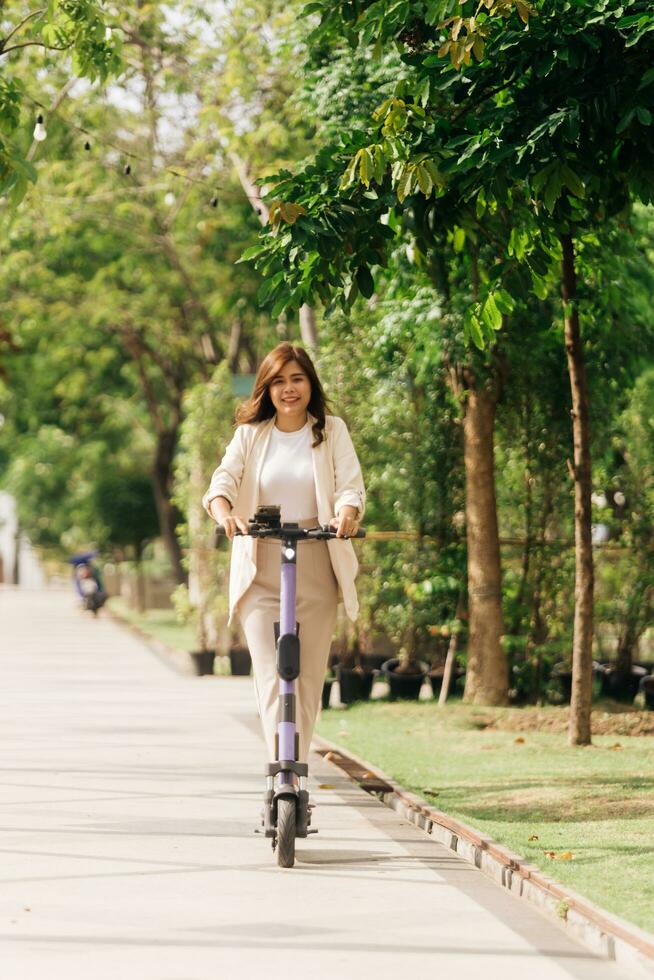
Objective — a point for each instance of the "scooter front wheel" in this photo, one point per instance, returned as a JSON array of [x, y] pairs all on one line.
[[286, 831]]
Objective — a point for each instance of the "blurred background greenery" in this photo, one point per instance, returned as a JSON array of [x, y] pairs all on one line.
[[128, 333]]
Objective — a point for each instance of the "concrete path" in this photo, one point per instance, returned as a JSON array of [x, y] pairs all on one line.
[[127, 800]]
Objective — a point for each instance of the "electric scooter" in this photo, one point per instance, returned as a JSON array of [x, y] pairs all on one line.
[[286, 813]]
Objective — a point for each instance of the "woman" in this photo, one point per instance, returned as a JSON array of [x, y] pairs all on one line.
[[287, 451]]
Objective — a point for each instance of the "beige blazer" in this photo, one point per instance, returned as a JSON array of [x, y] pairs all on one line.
[[338, 480]]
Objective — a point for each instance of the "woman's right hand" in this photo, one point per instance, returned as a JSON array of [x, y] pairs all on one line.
[[232, 524], [221, 511]]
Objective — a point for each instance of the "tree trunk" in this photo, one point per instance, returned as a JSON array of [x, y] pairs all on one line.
[[202, 573], [538, 630], [140, 582], [516, 625], [234, 347], [163, 485], [487, 679], [307, 316], [450, 659], [624, 658], [308, 330], [582, 644]]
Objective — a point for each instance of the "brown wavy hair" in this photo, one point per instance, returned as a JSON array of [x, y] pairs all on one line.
[[259, 406]]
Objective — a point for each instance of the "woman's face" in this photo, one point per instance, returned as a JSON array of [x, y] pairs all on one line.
[[290, 392]]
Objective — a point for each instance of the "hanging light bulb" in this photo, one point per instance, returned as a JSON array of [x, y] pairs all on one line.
[[87, 145], [214, 202], [127, 169], [40, 132], [169, 199]]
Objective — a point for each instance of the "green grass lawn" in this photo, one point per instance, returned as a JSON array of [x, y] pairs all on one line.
[[161, 624], [596, 802]]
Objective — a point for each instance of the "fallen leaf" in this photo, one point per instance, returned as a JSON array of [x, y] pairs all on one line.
[[326, 786], [330, 755], [519, 740], [343, 734], [560, 856], [368, 775], [533, 837], [616, 746]]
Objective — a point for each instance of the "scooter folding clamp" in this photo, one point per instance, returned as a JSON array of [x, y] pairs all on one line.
[[299, 768]]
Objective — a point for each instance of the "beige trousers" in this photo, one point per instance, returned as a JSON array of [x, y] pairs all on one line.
[[258, 610]]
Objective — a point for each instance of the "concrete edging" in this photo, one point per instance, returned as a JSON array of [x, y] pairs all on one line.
[[178, 660], [603, 933]]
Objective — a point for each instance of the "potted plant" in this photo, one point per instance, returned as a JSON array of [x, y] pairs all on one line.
[[328, 683], [647, 688], [406, 673], [619, 683], [240, 661], [354, 680]]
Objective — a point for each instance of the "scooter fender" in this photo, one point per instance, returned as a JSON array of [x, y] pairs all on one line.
[[286, 791]]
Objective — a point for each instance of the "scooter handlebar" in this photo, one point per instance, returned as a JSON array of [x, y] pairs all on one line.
[[324, 533]]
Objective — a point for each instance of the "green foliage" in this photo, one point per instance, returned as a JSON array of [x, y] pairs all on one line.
[[126, 503], [74, 34], [627, 482], [404, 423], [206, 430], [529, 141]]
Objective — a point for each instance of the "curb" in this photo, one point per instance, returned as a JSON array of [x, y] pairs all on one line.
[[177, 660], [605, 934]]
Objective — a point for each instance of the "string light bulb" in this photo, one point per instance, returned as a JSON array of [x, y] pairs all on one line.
[[214, 202], [127, 169], [87, 146], [169, 199], [40, 132]]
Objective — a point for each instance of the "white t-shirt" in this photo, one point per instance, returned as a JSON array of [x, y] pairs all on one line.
[[287, 474]]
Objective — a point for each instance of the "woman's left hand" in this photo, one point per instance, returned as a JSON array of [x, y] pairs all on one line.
[[346, 523]]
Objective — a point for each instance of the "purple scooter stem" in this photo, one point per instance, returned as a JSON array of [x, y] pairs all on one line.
[[287, 622]]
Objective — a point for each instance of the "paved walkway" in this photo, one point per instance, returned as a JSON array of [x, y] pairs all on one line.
[[128, 796]]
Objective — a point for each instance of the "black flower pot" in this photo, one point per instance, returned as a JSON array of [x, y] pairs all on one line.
[[647, 687], [621, 685], [355, 684], [202, 661], [240, 661], [405, 687], [562, 676], [436, 679], [328, 683]]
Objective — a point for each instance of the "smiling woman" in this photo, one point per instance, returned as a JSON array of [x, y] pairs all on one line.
[[288, 452]]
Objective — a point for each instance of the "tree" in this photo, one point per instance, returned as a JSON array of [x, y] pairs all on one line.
[[126, 505], [385, 372], [530, 131], [74, 31], [132, 277], [206, 430]]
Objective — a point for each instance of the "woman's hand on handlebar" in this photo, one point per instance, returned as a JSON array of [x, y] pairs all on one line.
[[233, 524], [346, 524], [221, 509]]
